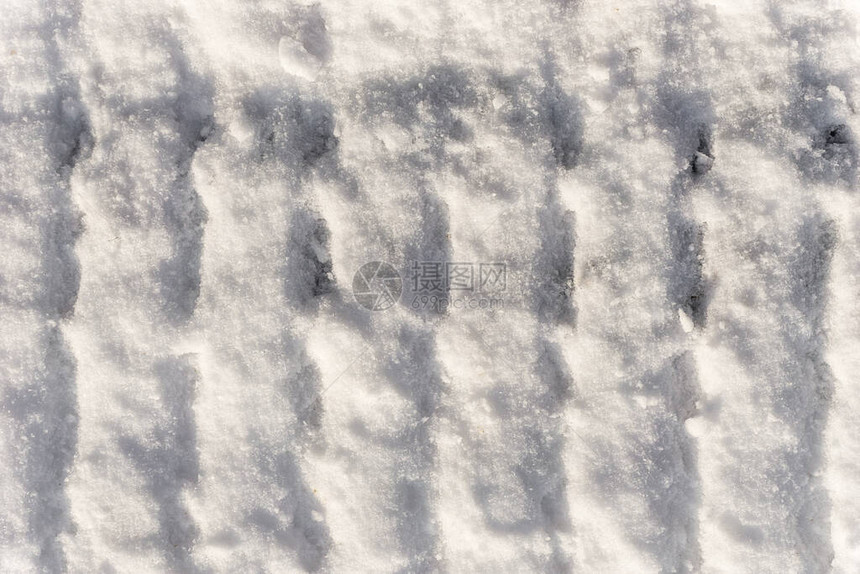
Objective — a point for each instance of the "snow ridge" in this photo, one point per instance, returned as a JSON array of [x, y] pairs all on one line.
[[41, 400], [666, 385]]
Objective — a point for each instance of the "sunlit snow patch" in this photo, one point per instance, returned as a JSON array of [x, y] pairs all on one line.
[[296, 61]]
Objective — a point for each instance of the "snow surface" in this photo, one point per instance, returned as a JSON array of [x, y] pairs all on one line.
[[188, 187]]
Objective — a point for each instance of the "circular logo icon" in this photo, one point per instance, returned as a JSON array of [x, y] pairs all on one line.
[[377, 286]]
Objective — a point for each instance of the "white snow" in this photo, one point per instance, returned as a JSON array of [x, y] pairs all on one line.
[[666, 383]]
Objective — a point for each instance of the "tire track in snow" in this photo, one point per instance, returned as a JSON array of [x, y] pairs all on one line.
[[633, 466], [259, 369], [39, 390], [184, 213], [641, 461], [423, 104], [766, 505], [167, 457], [554, 306], [416, 370], [763, 500], [684, 105], [554, 299], [819, 109], [309, 277], [821, 112], [758, 504], [144, 242], [554, 267], [506, 459], [842, 435], [405, 476], [272, 137]]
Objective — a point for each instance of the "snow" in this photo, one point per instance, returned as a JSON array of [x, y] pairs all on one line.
[[665, 383]]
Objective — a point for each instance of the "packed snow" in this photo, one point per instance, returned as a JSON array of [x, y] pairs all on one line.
[[477, 286]]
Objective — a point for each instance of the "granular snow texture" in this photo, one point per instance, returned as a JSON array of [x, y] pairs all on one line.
[[414, 286]]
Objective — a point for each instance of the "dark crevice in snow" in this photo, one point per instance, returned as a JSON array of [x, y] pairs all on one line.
[[309, 272], [562, 117], [69, 141], [416, 374], [297, 519], [314, 136], [819, 109], [684, 105], [429, 243], [688, 288], [426, 104], [548, 474], [45, 409], [293, 128], [821, 103], [168, 459], [703, 158], [46, 414], [838, 134], [832, 155], [806, 406], [554, 293], [73, 139], [839, 146], [180, 273], [308, 277], [543, 112], [554, 264], [416, 371], [185, 214], [303, 388], [61, 266]]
